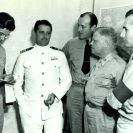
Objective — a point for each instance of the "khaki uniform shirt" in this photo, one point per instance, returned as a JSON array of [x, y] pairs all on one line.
[[110, 66], [74, 51]]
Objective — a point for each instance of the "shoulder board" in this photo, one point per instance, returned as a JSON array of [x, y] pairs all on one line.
[[24, 50], [55, 48]]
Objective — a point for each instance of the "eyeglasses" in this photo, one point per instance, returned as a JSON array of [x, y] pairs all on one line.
[[3, 36]]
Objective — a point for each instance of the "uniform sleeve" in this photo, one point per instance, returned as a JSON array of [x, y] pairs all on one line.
[[120, 72], [124, 89], [65, 49], [111, 99], [128, 76], [65, 78], [2, 60], [19, 75]]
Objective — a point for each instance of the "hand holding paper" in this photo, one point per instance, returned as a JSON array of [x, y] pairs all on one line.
[[8, 79]]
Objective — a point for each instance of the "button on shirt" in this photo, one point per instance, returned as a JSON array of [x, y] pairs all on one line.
[[110, 66], [41, 74], [74, 51]]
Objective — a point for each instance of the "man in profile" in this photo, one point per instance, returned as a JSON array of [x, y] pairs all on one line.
[[78, 53], [99, 118]]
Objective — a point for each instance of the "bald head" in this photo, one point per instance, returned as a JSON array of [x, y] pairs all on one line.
[[104, 40], [87, 22], [108, 32]]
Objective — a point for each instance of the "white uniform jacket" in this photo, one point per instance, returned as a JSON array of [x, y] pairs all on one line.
[[39, 72]]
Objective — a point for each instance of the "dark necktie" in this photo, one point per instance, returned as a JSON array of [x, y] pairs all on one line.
[[86, 63]]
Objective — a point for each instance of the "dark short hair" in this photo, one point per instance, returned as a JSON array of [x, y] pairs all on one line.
[[93, 18], [42, 22], [107, 31], [7, 21], [130, 12]]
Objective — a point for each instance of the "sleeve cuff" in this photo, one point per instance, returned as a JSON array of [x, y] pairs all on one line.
[[113, 102], [122, 92]]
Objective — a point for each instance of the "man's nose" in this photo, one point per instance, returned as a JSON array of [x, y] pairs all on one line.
[[79, 28], [91, 43], [122, 34], [45, 35]]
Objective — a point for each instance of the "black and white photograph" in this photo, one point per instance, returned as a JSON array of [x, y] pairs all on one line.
[[66, 66]]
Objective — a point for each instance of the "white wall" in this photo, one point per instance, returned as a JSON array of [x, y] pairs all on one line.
[[112, 13], [102, 4], [61, 13]]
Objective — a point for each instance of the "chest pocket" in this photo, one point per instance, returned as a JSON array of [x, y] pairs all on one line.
[[76, 60], [27, 65], [31, 69], [54, 65], [53, 70]]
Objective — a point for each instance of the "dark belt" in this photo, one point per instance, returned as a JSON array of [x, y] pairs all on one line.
[[79, 84], [92, 105]]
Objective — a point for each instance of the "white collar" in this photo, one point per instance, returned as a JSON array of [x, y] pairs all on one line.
[[41, 47]]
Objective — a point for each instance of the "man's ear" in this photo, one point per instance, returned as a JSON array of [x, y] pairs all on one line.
[[93, 27]]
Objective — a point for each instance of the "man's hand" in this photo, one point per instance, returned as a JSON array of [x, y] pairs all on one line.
[[112, 83], [50, 100], [8, 79], [128, 107]]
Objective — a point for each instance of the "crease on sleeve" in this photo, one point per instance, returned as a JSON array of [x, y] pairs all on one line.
[[18, 75], [113, 101]]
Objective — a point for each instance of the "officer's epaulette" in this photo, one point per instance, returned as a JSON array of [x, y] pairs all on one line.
[[24, 50], [55, 48]]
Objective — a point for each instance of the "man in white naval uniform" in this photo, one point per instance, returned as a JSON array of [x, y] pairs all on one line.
[[45, 75], [121, 98]]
